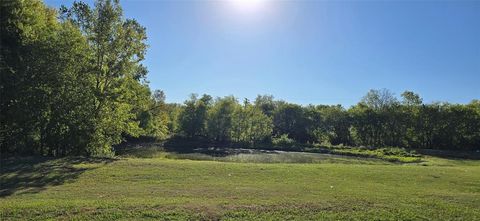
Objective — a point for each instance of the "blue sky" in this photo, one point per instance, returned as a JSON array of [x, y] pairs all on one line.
[[319, 52]]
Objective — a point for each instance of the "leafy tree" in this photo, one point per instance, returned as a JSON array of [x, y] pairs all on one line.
[[154, 117], [330, 124], [412, 104], [117, 49], [193, 118], [251, 125], [221, 117], [173, 111], [379, 99], [291, 119], [376, 119], [411, 99], [266, 103], [43, 84]]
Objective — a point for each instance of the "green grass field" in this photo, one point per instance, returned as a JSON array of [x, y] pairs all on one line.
[[171, 187]]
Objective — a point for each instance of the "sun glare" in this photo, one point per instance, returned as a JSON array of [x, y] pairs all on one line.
[[248, 6]]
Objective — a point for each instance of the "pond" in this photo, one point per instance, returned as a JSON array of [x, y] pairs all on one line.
[[267, 156]]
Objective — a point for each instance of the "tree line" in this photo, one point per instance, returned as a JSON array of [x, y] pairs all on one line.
[[72, 83], [379, 120]]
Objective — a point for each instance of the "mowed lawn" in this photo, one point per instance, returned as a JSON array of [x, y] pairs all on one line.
[[168, 189]]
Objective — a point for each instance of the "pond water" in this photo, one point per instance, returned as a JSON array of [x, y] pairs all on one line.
[[267, 156]]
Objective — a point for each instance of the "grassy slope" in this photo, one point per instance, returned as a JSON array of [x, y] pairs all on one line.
[[159, 188]]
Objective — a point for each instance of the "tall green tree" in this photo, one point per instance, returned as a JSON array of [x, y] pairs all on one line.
[[376, 119], [411, 106], [266, 103], [43, 84], [193, 117], [250, 125], [221, 117], [155, 118], [330, 124], [291, 119], [117, 47]]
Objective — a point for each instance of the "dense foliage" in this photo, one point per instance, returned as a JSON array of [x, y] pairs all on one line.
[[72, 83], [378, 120]]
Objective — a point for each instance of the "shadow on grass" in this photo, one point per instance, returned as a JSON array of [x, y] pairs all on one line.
[[34, 174]]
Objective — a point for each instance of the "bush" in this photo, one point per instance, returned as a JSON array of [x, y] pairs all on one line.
[[283, 141], [397, 151]]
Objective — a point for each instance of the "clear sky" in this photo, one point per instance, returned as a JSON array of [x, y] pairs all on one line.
[[319, 52]]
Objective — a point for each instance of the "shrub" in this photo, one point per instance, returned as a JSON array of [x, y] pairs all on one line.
[[283, 141]]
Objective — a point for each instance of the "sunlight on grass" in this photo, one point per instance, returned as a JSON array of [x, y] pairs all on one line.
[[160, 188]]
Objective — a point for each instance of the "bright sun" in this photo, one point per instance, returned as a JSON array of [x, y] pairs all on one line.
[[248, 5]]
